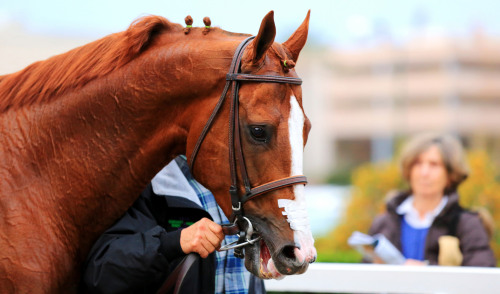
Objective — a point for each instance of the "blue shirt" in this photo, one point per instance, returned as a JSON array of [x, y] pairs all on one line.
[[413, 240]]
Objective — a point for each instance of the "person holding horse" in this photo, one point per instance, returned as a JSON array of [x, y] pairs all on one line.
[[427, 223], [174, 216]]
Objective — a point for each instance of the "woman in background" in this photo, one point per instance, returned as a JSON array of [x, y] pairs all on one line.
[[426, 223]]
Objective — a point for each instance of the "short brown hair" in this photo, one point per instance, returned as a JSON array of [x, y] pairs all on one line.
[[451, 151]]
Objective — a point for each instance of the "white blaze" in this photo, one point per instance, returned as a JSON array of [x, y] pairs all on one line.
[[296, 210], [296, 129]]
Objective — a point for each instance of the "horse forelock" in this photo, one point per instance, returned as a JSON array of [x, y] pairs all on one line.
[[45, 80]]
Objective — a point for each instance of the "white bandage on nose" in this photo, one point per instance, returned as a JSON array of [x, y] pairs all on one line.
[[296, 214]]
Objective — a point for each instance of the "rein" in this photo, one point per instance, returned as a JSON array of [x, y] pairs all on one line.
[[242, 225]]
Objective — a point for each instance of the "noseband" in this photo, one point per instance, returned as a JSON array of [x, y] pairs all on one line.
[[240, 224]]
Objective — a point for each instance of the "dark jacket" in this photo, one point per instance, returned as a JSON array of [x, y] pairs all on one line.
[[138, 252], [452, 220]]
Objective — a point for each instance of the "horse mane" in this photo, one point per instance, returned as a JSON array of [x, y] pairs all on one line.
[[45, 80]]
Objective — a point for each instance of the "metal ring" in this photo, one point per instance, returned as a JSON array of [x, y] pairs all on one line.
[[250, 228], [247, 242]]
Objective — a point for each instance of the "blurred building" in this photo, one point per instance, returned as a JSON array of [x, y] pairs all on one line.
[[363, 102]]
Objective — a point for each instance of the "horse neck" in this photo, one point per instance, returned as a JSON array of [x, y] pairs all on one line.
[[97, 148]]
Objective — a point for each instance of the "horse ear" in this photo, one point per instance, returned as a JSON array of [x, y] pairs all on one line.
[[265, 37], [298, 39]]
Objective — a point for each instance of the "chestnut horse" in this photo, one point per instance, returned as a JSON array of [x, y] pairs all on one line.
[[82, 133]]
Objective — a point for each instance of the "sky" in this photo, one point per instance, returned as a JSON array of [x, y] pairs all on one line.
[[335, 22]]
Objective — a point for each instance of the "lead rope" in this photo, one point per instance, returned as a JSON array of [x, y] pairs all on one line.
[[177, 276]]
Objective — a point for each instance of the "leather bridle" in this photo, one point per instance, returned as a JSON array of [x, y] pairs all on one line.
[[240, 224]]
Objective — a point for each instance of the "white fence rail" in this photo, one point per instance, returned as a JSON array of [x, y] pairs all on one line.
[[389, 279]]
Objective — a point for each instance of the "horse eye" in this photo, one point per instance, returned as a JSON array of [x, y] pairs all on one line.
[[258, 133]]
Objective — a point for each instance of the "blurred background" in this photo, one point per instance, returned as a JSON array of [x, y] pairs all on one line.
[[375, 73]]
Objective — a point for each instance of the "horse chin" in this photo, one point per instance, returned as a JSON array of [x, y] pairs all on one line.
[[259, 262]]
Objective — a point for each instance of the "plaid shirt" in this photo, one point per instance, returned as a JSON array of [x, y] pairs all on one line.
[[231, 275]]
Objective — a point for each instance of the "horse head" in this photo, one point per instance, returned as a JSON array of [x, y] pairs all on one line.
[[271, 130]]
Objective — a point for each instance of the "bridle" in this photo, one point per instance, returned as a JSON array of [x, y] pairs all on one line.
[[240, 224]]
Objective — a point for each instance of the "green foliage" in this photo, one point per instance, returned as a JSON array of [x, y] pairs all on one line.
[[347, 256], [482, 190], [373, 183]]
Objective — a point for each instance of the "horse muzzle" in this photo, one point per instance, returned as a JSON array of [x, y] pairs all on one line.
[[287, 260]]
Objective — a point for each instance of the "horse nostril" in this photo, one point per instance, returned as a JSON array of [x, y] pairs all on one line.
[[289, 252]]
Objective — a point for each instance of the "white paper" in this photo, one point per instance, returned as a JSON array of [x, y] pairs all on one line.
[[382, 247]]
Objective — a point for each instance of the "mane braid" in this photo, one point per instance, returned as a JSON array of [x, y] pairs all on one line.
[[45, 80]]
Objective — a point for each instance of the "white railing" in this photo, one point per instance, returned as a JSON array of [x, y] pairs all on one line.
[[389, 279]]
